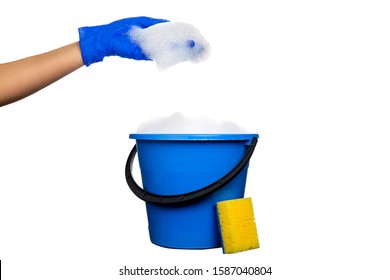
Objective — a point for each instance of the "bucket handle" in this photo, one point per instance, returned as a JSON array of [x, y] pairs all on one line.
[[185, 197]]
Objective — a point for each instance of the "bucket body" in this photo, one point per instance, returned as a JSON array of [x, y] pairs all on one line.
[[173, 164]]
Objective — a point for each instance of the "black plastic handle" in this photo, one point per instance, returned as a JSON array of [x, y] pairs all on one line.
[[185, 197]]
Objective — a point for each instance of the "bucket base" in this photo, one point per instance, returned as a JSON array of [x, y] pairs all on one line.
[[183, 244], [184, 229], [187, 248]]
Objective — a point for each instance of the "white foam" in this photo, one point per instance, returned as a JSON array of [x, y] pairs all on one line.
[[180, 124], [170, 43]]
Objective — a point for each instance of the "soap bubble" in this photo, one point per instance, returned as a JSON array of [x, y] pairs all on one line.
[[170, 43]]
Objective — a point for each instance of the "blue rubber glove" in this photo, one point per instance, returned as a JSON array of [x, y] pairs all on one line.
[[97, 42]]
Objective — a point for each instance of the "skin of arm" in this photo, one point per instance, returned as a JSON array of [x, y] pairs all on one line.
[[21, 78]]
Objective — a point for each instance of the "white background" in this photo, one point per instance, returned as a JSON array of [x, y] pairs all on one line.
[[311, 77]]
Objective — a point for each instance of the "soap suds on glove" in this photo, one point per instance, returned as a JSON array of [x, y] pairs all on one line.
[[177, 123], [170, 43]]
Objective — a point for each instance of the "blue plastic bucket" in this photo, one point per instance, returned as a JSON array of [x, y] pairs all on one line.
[[183, 177]]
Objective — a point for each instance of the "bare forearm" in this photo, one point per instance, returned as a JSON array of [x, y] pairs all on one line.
[[24, 77]]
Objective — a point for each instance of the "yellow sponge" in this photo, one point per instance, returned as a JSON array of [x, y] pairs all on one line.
[[237, 225]]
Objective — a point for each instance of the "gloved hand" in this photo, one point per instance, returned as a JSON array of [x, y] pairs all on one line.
[[96, 42]]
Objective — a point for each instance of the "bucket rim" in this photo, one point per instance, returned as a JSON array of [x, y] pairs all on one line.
[[193, 137]]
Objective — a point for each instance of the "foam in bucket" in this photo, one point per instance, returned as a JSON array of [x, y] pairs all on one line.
[[170, 43], [177, 123]]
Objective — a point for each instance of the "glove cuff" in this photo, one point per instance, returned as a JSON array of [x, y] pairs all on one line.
[[91, 51]]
